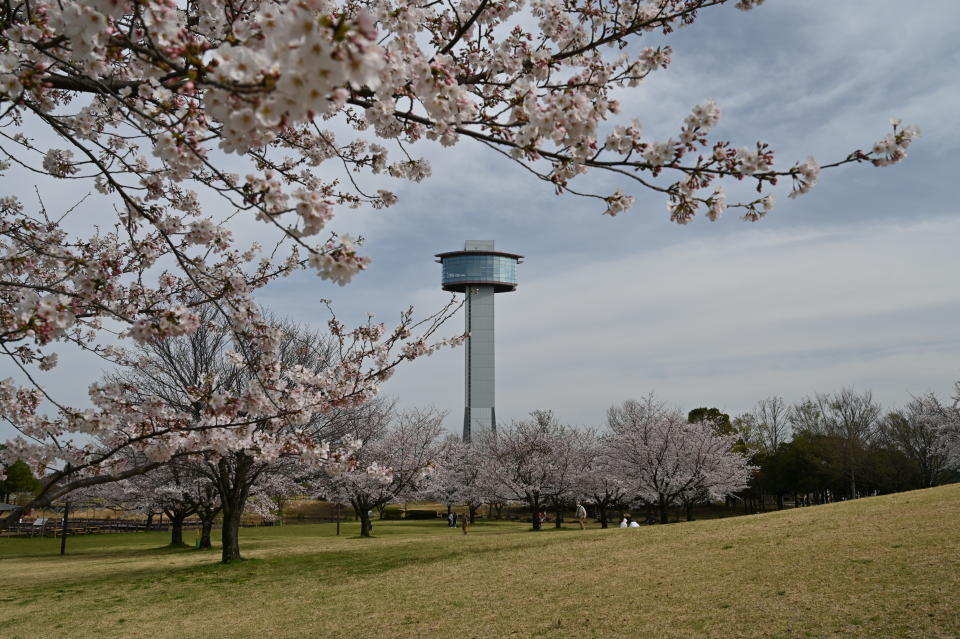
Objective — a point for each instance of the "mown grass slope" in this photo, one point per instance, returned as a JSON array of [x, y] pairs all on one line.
[[880, 567]]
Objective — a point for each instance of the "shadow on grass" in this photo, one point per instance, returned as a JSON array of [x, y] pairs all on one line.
[[324, 567], [110, 553], [358, 558], [49, 549]]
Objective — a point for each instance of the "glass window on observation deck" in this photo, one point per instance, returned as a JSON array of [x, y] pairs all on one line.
[[474, 268]]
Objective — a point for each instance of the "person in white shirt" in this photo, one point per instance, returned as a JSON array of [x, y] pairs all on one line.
[[581, 515]]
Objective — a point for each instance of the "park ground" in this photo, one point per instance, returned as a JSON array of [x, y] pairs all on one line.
[[881, 567]]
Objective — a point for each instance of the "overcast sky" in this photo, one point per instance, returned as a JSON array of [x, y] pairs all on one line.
[[854, 284]]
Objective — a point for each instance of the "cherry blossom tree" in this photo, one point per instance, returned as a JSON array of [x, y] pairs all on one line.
[[951, 427], [666, 461], [946, 418], [188, 121], [918, 430], [176, 489], [267, 454], [185, 375], [394, 455], [278, 488], [602, 482], [572, 460], [173, 489], [458, 478], [529, 462]]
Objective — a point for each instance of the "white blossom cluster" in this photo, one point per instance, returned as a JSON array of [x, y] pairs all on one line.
[[893, 148]]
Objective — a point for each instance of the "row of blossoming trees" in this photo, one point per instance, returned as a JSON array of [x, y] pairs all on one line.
[[649, 456], [179, 126]]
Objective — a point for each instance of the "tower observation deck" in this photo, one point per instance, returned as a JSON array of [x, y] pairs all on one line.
[[479, 271]]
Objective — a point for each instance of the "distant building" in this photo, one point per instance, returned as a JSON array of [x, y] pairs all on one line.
[[479, 272]]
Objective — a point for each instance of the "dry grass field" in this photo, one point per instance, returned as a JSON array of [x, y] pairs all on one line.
[[879, 567]]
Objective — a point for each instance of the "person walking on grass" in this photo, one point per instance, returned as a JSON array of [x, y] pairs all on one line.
[[581, 515], [464, 520]]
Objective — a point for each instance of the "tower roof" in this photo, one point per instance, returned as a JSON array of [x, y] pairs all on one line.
[[442, 256], [478, 247]]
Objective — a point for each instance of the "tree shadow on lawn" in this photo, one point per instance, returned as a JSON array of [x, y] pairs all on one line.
[[319, 566], [48, 548], [329, 566]]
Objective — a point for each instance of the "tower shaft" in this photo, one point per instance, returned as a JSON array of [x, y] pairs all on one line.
[[479, 414]]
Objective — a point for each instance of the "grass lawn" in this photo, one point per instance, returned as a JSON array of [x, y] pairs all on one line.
[[880, 567]]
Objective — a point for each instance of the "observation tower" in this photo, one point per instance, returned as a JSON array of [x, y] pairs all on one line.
[[479, 272]]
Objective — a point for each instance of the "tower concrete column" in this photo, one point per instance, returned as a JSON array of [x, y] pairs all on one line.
[[480, 379]]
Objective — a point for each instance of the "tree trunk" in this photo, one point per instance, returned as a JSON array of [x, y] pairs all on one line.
[[689, 506], [535, 512], [176, 529], [149, 521], [664, 515], [362, 510], [603, 514], [558, 516], [206, 528], [473, 514], [63, 531], [231, 533], [234, 478]]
